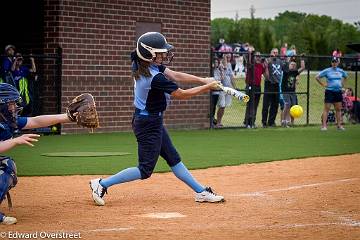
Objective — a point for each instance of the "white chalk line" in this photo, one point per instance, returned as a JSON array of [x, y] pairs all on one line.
[[120, 229], [110, 229], [346, 223], [305, 225], [163, 215], [263, 193], [343, 219]]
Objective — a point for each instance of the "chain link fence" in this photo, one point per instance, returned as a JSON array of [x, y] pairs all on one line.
[[309, 93]]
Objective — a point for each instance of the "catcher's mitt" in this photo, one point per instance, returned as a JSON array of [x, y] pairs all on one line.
[[82, 110]]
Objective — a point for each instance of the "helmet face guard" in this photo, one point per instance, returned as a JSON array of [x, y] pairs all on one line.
[[168, 58], [10, 114]]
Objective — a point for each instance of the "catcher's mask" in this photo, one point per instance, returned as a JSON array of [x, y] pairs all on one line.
[[9, 104], [152, 43]]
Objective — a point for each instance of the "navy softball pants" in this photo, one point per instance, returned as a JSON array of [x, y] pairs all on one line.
[[153, 140]]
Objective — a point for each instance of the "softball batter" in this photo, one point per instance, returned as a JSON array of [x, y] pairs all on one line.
[[154, 84]]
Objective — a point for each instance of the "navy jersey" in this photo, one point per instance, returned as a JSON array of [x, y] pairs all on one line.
[[153, 93], [6, 132]]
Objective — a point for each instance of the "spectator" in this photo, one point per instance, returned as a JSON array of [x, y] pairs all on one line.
[[351, 105], [222, 47], [215, 94], [238, 60], [221, 42], [347, 104], [229, 60], [283, 50], [227, 79], [288, 96], [291, 52], [7, 63], [253, 87], [335, 78], [337, 53], [239, 66], [245, 47], [227, 53], [271, 89], [20, 75]]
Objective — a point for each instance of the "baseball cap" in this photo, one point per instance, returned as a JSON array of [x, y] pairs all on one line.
[[9, 46], [334, 59]]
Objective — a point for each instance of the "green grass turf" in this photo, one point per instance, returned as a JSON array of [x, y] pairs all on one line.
[[198, 148]]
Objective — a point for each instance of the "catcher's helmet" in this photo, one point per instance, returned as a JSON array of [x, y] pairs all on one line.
[[8, 93], [151, 43]]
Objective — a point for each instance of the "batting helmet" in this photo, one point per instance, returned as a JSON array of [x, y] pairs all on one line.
[[151, 43]]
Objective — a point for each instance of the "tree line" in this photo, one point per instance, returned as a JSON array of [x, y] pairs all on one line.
[[310, 33]]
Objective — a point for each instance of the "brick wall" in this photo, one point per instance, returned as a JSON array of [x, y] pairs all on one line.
[[97, 38]]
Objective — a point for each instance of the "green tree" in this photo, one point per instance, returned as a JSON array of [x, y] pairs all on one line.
[[266, 39], [310, 33], [220, 28], [235, 35]]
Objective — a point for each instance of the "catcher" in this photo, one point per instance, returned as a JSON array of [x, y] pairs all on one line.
[[81, 110]]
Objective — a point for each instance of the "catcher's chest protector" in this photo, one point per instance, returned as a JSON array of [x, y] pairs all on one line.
[[8, 178]]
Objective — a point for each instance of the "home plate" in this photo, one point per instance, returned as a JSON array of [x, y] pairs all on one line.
[[163, 215]]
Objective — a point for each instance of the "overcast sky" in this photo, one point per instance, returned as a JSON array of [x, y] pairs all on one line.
[[346, 10]]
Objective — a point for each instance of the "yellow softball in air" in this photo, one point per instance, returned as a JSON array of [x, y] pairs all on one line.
[[296, 111]]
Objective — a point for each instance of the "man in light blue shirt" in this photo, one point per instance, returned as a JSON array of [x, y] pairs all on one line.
[[334, 82]]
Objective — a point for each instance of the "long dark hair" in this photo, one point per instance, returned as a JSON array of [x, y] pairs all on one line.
[[139, 67]]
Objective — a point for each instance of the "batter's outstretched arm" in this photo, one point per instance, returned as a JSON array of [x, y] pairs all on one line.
[[188, 93], [185, 77]]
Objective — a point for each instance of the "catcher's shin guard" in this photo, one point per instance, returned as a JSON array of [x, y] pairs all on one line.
[[8, 178]]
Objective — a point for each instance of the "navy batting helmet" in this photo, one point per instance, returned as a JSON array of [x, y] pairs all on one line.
[[151, 43]]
